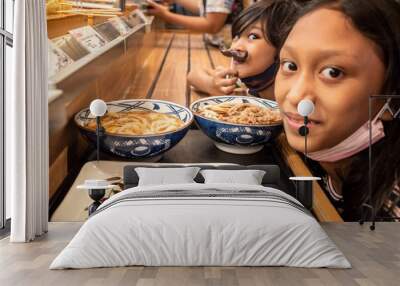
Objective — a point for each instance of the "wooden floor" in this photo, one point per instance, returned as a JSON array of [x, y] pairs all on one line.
[[375, 257]]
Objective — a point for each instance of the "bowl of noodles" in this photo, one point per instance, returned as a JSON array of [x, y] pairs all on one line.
[[137, 128], [238, 124]]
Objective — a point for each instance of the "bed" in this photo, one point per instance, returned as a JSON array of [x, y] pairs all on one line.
[[201, 223]]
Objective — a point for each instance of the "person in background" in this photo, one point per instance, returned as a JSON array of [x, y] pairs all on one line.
[[258, 32], [213, 14], [338, 54]]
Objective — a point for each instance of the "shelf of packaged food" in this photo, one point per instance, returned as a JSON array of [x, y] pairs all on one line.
[[77, 65], [70, 69], [60, 22]]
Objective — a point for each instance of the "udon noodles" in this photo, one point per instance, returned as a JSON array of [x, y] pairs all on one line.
[[241, 113], [137, 123]]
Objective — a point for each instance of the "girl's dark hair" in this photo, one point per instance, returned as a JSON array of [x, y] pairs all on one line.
[[378, 20], [275, 15]]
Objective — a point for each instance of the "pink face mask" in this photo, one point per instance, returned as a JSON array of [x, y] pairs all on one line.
[[352, 145]]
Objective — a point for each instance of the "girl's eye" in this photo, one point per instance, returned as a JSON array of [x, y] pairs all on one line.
[[289, 67], [253, 36], [332, 73]]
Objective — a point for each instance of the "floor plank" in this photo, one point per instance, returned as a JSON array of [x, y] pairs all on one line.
[[375, 257]]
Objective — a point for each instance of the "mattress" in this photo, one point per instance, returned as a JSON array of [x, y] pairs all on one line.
[[201, 225]]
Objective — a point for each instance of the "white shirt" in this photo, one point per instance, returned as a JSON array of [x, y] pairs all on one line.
[[216, 6]]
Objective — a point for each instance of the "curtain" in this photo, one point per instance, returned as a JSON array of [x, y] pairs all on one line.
[[27, 124]]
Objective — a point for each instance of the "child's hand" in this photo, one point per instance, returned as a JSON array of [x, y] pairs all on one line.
[[156, 9], [225, 80]]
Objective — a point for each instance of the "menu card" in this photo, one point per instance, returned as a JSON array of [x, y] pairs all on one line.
[[143, 18], [120, 25], [132, 20], [58, 59], [88, 38], [71, 47], [107, 31]]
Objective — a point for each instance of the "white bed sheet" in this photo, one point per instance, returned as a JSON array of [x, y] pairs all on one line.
[[192, 231]]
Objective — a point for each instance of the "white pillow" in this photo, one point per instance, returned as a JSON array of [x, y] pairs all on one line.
[[248, 177], [164, 176]]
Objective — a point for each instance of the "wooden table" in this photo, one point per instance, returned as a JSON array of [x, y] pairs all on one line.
[[176, 53]]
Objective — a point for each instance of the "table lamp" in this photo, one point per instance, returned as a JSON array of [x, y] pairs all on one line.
[[98, 108], [304, 191], [96, 190], [305, 108]]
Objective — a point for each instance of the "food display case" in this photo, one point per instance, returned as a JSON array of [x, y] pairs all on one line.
[[71, 51], [93, 53]]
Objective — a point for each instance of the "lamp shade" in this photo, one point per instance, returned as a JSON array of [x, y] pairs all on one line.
[[98, 107], [305, 107]]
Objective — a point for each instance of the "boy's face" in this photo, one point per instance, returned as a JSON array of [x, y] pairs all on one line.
[[327, 60], [261, 54]]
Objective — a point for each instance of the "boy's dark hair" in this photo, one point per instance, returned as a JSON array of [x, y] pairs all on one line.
[[275, 16], [378, 20]]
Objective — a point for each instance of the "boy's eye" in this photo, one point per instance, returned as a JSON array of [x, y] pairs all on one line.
[[332, 73], [288, 66], [253, 36]]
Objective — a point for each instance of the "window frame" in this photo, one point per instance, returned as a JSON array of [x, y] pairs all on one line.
[[6, 39]]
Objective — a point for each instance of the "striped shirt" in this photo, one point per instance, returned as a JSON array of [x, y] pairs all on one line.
[[390, 209]]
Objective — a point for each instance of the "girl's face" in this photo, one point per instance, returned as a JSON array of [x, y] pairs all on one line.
[[325, 59], [261, 53]]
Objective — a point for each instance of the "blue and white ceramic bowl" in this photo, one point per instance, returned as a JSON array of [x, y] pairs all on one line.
[[138, 146], [232, 137]]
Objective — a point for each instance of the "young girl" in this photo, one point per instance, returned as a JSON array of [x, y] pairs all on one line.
[[338, 54], [214, 14], [258, 31]]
